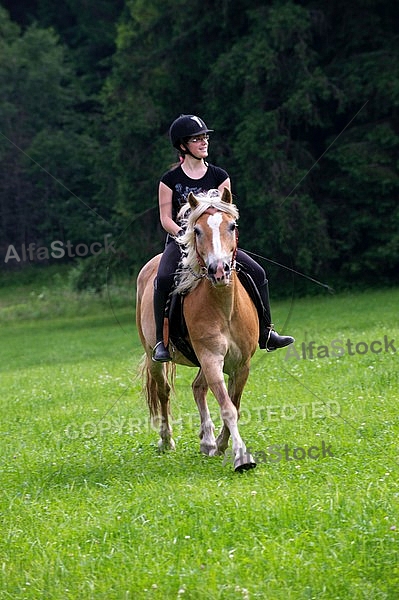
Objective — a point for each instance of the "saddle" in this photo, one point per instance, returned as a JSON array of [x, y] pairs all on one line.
[[177, 327]]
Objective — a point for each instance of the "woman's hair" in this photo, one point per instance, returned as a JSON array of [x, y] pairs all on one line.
[[177, 164]]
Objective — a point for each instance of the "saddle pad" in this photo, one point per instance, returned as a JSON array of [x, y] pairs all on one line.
[[178, 333]]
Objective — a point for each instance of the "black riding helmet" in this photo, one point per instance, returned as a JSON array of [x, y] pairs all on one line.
[[184, 127]]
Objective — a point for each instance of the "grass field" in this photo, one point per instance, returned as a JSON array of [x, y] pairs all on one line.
[[90, 510]]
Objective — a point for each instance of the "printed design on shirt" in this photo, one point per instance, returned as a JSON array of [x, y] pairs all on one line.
[[184, 190]]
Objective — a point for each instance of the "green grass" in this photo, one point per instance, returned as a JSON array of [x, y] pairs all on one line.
[[90, 510]]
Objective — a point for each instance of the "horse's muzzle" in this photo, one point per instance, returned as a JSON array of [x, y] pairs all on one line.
[[219, 272]]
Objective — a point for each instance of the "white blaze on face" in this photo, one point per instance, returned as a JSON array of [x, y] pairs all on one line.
[[214, 222]]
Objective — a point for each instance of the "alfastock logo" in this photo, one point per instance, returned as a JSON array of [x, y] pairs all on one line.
[[58, 249], [276, 453], [338, 348]]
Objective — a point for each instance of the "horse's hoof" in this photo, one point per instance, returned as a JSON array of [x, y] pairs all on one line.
[[208, 449], [166, 446], [244, 462]]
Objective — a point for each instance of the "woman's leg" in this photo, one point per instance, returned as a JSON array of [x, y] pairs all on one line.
[[268, 338], [162, 286], [258, 274]]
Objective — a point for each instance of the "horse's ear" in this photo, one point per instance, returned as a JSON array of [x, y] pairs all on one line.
[[226, 196], [192, 200]]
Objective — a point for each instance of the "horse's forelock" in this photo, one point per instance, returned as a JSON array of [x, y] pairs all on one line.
[[210, 199]]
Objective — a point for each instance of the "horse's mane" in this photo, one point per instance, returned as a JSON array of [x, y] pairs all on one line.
[[189, 269]]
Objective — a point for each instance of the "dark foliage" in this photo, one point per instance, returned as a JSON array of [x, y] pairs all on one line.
[[303, 98]]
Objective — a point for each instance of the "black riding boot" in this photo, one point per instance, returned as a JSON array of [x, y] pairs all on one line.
[[268, 338], [160, 352]]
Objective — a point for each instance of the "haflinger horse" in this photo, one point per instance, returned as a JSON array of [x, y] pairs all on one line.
[[222, 324]]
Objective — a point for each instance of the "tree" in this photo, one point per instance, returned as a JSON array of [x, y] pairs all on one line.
[[164, 52], [46, 153], [273, 74], [303, 98], [361, 182]]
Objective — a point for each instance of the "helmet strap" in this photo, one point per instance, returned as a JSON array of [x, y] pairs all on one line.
[[187, 151]]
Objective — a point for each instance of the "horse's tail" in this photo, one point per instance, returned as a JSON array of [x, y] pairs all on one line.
[[165, 377]]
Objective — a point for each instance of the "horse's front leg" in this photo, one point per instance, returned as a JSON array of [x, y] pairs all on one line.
[[229, 413], [237, 383], [222, 440], [207, 429], [235, 392]]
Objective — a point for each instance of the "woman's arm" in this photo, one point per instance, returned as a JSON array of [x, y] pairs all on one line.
[[165, 209]]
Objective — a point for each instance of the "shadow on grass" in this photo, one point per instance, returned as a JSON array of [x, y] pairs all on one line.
[[136, 465]]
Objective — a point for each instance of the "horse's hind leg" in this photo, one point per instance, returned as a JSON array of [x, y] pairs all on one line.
[[158, 390], [222, 440], [206, 434]]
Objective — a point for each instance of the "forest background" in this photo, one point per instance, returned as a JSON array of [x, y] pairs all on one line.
[[303, 97]]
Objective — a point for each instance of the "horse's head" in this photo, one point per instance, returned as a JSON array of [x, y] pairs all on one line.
[[215, 238]]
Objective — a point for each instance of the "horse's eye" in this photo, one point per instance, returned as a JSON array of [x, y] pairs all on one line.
[[197, 230], [233, 226]]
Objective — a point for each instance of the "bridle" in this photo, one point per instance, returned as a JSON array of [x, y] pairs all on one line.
[[203, 268]]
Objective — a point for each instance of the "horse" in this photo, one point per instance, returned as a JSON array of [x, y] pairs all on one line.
[[221, 320]]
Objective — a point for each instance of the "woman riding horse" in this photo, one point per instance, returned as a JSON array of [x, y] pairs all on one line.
[[222, 327], [190, 136]]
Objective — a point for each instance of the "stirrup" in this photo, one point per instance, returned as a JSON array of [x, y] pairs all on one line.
[[268, 339], [164, 355]]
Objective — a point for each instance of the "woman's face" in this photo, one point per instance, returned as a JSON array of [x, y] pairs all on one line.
[[198, 145]]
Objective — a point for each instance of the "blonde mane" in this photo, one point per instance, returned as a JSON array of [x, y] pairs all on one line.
[[189, 272]]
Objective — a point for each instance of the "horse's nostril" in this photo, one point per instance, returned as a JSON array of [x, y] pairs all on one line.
[[219, 271]]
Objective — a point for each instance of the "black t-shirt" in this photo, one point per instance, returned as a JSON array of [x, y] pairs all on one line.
[[181, 185]]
